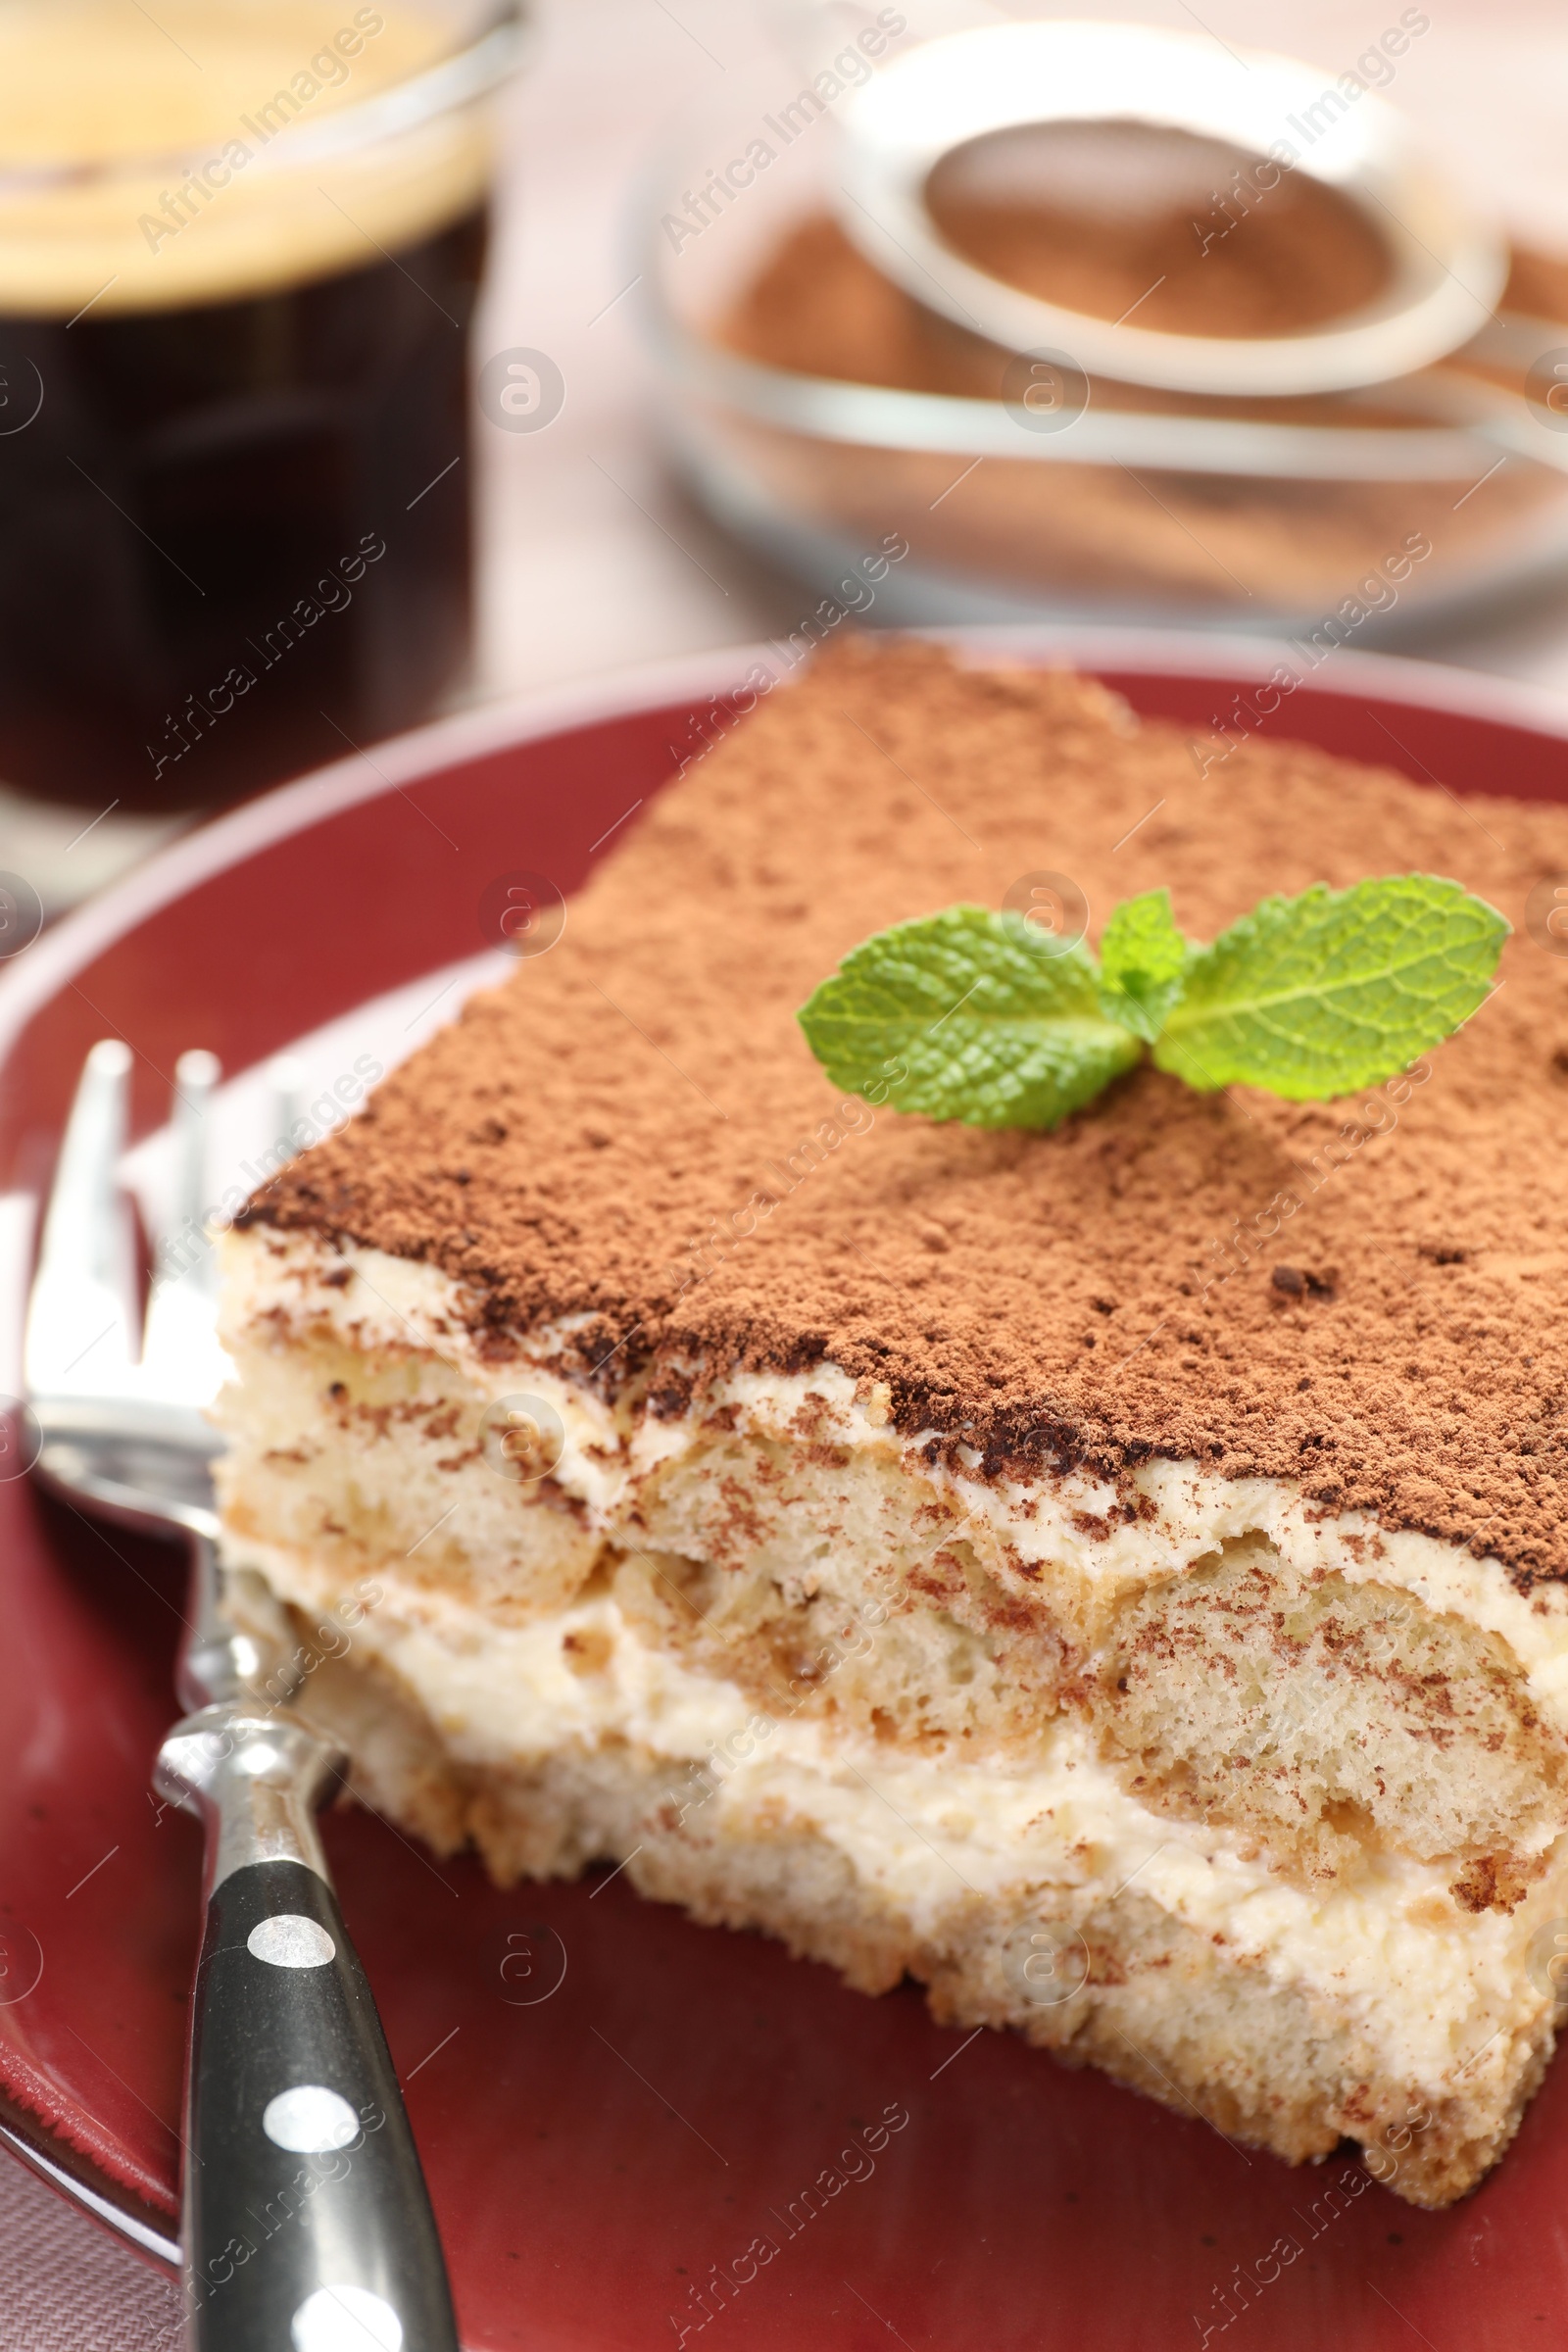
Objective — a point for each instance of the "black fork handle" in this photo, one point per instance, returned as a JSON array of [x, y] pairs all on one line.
[[308, 2224]]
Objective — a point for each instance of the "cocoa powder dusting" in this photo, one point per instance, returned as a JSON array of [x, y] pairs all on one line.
[[1368, 1298]]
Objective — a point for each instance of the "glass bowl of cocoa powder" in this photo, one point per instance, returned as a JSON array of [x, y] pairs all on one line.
[[824, 415]]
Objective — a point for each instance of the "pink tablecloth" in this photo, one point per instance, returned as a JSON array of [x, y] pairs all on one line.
[[66, 2286]]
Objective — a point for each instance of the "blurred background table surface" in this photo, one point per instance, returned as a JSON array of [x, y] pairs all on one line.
[[591, 559]]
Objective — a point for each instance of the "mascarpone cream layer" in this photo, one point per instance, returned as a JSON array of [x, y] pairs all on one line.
[[1438, 1989]]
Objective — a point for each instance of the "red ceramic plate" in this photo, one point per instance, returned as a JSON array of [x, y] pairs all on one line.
[[622, 2114]]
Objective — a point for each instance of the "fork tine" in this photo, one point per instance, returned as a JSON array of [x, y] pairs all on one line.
[[196, 1077], [177, 1350], [285, 1078], [82, 1312]]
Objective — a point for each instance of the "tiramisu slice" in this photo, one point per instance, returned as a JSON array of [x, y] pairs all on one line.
[[1114, 1574]]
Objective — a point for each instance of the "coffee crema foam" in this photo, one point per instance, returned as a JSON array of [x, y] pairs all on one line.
[[148, 166]]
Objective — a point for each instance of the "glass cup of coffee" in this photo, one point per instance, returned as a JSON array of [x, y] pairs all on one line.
[[240, 246]]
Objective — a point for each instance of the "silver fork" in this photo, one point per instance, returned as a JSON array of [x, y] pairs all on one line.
[[306, 2224]]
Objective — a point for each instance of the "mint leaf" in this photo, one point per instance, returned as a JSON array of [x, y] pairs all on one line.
[[968, 1016], [972, 1016], [1142, 958], [1315, 996]]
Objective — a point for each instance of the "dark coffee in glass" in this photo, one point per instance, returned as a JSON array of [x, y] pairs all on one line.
[[235, 478]]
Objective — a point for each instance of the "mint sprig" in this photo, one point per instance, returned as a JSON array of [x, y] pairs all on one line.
[[979, 1017]]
